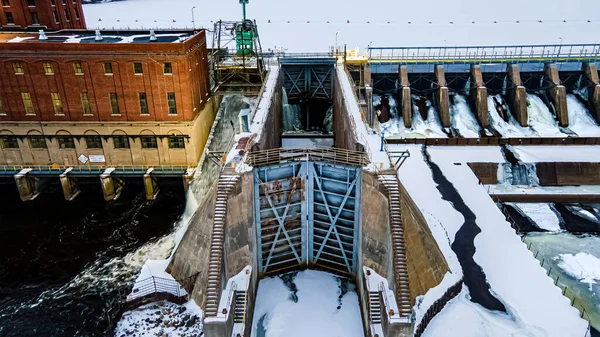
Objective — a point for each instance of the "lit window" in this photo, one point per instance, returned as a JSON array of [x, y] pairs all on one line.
[[114, 103], [176, 142], [137, 68], [93, 142], [38, 142], [27, 103], [18, 67], [121, 142], [56, 103], [85, 103], [108, 68], [77, 68], [172, 103], [168, 69], [149, 142], [143, 103], [9, 142], [48, 69]]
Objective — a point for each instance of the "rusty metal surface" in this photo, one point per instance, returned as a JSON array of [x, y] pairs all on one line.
[[494, 141]]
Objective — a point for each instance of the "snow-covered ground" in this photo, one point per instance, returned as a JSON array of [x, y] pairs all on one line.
[[162, 319], [541, 154], [310, 303], [535, 306], [542, 214], [311, 25]]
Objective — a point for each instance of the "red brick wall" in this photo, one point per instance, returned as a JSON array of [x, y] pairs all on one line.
[[22, 14], [189, 81]]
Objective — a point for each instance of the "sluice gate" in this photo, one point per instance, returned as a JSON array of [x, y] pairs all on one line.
[[307, 215]]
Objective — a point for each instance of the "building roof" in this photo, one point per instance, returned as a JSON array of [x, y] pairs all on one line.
[[89, 36]]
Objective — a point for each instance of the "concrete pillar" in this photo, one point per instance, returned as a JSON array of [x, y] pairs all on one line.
[[479, 96], [590, 80], [187, 178], [441, 98], [111, 187], [368, 79], [405, 95], [557, 92], [517, 95], [69, 185], [150, 185], [26, 185], [370, 115]]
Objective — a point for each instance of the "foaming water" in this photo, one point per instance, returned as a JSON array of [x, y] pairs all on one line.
[[580, 120], [68, 265], [463, 118], [541, 119]]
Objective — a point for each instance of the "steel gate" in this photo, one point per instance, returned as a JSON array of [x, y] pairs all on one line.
[[307, 213]]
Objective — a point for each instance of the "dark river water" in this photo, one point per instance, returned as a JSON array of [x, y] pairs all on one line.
[[64, 266]]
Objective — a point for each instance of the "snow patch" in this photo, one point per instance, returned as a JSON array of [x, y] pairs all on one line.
[[542, 214], [584, 267]]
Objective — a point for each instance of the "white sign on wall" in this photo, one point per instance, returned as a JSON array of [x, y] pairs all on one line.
[[83, 159], [97, 158]]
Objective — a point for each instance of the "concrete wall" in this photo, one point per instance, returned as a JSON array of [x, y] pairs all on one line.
[[344, 135], [189, 265], [487, 173], [271, 132], [426, 263], [567, 174]]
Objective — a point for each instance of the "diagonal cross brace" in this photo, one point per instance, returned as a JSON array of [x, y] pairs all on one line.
[[281, 227], [320, 85], [333, 220], [294, 82]]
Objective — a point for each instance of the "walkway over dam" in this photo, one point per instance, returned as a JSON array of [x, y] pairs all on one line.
[[284, 201]]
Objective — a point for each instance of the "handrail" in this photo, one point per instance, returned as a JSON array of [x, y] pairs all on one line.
[[437, 306], [328, 154], [487, 54], [95, 168]]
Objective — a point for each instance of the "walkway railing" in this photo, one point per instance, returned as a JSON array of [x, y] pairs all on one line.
[[124, 169], [437, 306], [326, 154], [153, 285], [485, 54]]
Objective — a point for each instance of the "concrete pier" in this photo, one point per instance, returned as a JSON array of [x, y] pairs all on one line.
[[479, 96], [150, 185], [405, 95], [517, 95], [111, 187], [26, 185], [69, 185], [591, 82], [441, 98], [557, 92], [370, 112]]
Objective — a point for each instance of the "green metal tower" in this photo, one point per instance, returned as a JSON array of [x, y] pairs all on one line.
[[245, 34]]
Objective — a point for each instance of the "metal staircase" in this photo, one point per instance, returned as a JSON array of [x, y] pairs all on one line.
[[398, 248], [241, 298], [227, 181], [375, 307]]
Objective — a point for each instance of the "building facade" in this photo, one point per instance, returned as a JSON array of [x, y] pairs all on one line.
[[80, 98], [48, 14]]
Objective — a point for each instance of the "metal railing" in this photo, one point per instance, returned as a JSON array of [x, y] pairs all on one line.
[[57, 169], [153, 285], [485, 54], [326, 154], [437, 306]]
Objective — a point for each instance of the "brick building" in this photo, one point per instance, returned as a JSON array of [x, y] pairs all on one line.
[[80, 97], [48, 14]]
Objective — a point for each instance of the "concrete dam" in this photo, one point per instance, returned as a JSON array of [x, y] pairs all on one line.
[[309, 183]]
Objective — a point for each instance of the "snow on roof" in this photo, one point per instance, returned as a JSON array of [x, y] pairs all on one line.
[[575, 153], [315, 25], [90, 37]]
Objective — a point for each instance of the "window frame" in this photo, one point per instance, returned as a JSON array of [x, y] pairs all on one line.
[[48, 68], [137, 71], [173, 106], [37, 142], [88, 111], [78, 68], [121, 142], [143, 98], [57, 104], [27, 103], [176, 142], [65, 142], [94, 140], [13, 140], [113, 98], [149, 142], [108, 65], [170, 68], [18, 67]]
